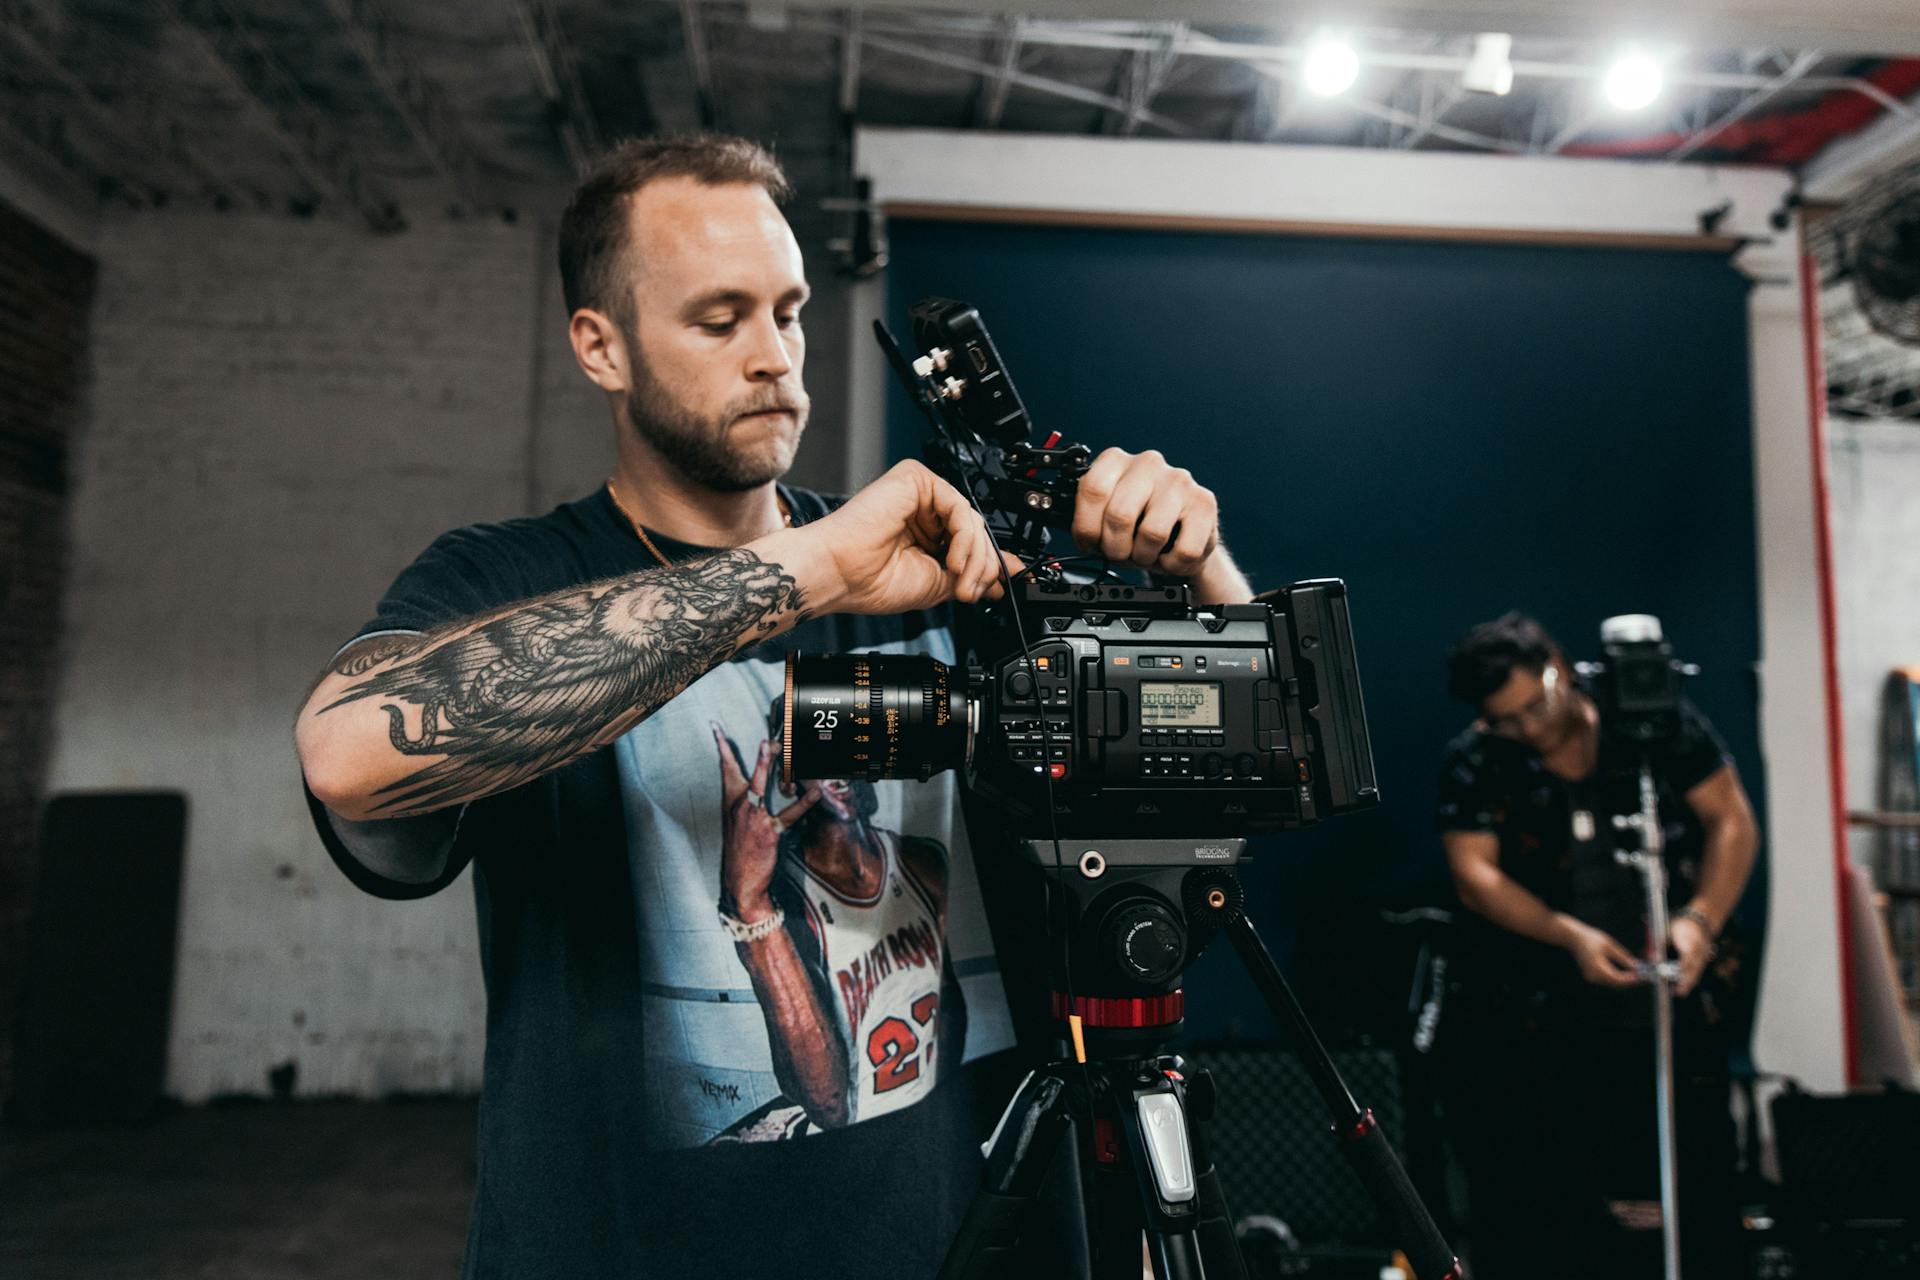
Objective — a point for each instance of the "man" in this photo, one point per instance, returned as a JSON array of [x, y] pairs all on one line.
[[541, 699], [1552, 1102]]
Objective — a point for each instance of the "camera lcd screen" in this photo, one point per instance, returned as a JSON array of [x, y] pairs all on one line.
[[1182, 704]]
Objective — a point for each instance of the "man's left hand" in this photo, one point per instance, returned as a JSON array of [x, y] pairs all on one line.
[[1693, 948], [1138, 509]]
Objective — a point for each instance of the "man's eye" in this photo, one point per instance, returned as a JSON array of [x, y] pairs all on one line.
[[717, 327], [789, 321]]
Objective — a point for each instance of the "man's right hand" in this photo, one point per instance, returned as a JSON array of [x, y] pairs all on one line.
[[1600, 957], [907, 541]]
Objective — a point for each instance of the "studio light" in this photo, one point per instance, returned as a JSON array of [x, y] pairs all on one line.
[[1633, 81], [1331, 67], [1490, 68]]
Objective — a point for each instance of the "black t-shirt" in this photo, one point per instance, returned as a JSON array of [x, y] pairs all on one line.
[[631, 1121], [1557, 841]]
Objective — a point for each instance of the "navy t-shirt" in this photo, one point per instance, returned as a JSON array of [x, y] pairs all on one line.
[[1557, 841], [631, 1122]]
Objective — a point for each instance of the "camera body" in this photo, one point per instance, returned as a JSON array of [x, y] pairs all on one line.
[[1637, 682], [1089, 710], [1132, 713]]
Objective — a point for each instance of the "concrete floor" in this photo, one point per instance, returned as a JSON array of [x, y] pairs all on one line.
[[303, 1191]]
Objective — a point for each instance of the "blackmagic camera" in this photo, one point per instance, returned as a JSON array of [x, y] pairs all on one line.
[[1636, 684], [1089, 709]]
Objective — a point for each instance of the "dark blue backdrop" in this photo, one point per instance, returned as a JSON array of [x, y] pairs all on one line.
[[1454, 429]]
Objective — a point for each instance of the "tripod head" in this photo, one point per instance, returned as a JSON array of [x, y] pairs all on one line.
[[1135, 914]]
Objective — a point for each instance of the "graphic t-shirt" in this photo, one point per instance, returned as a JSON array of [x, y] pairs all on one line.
[[1557, 841], [637, 1116]]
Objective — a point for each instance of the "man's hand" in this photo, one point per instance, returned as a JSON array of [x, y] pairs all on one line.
[[1601, 958], [1693, 948], [1138, 509], [907, 541], [750, 833]]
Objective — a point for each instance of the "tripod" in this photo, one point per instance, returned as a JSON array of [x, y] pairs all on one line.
[[1138, 911], [1661, 972]]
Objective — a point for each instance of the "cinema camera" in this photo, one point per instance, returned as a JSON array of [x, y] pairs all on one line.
[[1636, 683], [1148, 739], [1128, 710]]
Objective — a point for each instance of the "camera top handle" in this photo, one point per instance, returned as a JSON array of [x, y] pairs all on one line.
[[980, 441]]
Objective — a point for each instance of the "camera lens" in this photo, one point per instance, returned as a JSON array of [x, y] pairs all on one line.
[[871, 716]]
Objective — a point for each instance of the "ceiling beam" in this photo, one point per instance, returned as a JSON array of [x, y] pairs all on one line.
[[1890, 27], [1151, 67], [420, 106], [1039, 84], [49, 165], [1796, 71], [34, 31], [1432, 117], [1848, 163], [559, 80], [269, 94], [998, 82], [1137, 35]]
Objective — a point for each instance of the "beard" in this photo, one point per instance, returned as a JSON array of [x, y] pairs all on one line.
[[695, 443]]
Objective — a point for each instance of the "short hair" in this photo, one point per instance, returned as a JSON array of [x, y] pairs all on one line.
[[594, 230], [1483, 659]]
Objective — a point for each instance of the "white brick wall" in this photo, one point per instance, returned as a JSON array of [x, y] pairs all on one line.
[[1874, 473], [284, 413]]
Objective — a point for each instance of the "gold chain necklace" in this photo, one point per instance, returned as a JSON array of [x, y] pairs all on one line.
[[786, 518]]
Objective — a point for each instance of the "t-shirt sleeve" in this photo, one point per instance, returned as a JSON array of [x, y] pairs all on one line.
[[1695, 753], [416, 856], [1463, 802]]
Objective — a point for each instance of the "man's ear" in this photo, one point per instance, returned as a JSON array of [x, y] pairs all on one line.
[[600, 349]]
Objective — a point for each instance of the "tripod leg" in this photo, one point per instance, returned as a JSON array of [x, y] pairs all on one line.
[[1213, 1229], [987, 1246], [1361, 1140]]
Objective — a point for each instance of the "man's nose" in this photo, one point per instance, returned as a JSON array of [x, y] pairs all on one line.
[[768, 359]]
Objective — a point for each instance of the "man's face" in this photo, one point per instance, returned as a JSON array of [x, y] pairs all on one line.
[[715, 341], [1534, 707]]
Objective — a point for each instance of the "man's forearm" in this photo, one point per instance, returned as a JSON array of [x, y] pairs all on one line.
[[1505, 902], [412, 724], [1725, 864]]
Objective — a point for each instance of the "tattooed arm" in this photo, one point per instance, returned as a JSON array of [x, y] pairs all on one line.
[[405, 725]]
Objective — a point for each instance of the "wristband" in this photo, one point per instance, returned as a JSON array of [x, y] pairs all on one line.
[[741, 931], [1699, 917]]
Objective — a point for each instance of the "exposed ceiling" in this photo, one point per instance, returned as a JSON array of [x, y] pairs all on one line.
[[397, 109], [390, 111]]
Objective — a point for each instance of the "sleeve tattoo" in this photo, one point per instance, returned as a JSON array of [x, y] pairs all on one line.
[[505, 700]]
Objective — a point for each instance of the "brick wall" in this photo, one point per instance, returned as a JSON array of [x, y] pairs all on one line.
[[284, 413], [46, 288]]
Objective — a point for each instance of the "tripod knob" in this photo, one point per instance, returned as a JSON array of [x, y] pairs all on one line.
[[1148, 942]]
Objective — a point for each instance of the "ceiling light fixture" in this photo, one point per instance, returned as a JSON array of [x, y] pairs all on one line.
[[1633, 81], [1490, 67], [1330, 67]]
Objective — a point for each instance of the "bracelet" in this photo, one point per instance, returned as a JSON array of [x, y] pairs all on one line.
[[741, 931], [1699, 917]]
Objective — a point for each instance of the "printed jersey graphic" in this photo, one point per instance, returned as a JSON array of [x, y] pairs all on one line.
[[880, 972], [884, 956]]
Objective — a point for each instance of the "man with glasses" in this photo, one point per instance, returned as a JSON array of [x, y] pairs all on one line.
[[1551, 1049]]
